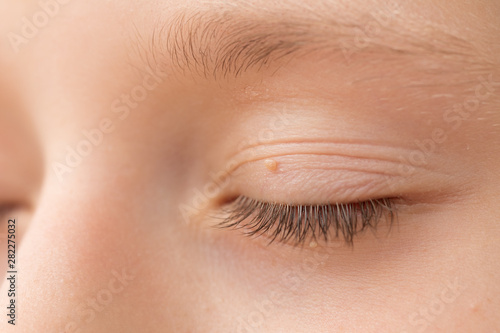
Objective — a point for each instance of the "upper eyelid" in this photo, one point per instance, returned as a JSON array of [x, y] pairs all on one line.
[[340, 142], [373, 152], [314, 177]]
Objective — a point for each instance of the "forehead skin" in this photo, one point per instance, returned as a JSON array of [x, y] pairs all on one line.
[[386, 74]]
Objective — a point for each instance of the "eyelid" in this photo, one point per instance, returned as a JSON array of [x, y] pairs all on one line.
[[381, 153], [309, 178], [325, 171]]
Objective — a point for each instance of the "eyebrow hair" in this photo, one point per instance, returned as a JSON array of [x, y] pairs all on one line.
[[220, 43]]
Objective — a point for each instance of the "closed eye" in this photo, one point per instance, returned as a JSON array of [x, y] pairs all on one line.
[[299, 223]]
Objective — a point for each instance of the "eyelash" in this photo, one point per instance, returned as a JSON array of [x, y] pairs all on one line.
[[296, 223]]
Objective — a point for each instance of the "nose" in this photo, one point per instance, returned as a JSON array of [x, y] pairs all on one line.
[[74, 268]]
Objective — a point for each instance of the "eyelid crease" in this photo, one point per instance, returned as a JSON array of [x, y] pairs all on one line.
[[268, 151], [359, 142], [336, 167], [351, 169]]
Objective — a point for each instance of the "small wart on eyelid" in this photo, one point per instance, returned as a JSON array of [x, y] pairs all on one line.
[[271, 165]]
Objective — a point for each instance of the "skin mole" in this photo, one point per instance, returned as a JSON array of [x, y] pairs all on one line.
[[271, 165]]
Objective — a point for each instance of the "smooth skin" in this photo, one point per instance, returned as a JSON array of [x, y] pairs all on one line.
[[127, 126]]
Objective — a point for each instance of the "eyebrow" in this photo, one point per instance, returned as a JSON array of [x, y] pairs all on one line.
[[229, 42]]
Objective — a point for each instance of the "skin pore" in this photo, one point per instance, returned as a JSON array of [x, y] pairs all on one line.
[[128, 127]]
